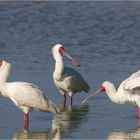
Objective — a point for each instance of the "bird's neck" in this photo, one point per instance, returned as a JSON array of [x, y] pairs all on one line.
[[59, 68], [3, 88], [115, 96], [3, 84]]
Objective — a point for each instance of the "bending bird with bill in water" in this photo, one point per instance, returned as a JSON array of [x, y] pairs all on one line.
[[128, 91]]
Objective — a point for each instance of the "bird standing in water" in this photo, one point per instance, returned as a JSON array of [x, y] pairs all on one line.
[[128, 91], [66, 79], [26, 96]]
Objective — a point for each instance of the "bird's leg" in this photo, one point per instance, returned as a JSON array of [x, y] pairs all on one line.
[[138, 113], [138, 123], [64, 102], [26, 120], [138, 117], [70, 100]]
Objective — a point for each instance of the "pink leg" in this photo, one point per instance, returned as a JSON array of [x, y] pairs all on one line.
[[138, 123], [71, 100], [139, 113], [26, 120], [64, 102]]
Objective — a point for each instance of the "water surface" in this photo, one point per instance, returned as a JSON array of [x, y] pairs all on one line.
[[103, 36]]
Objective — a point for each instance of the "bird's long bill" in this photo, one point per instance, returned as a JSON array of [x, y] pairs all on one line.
[[98, 91], [71, 58]]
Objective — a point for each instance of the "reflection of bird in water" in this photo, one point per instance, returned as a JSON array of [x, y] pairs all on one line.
[[128, 135], [27, 134], [61, 124], [69, 119]]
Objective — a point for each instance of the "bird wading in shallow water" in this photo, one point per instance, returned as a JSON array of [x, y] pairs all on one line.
[[128, 91], [66, 79], [26, 96]]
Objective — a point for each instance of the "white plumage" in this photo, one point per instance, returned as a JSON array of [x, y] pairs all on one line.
[[26, 96], [133, 81], [66, 79], [128, 91]]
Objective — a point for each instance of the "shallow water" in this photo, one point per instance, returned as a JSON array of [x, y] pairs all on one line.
[[103, 36]]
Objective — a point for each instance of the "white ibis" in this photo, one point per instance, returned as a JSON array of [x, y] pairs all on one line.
[[26, 96], [66, 79], [128, 91]]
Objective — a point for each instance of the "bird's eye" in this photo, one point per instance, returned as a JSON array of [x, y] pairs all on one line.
[[0, 63], [61, 49], [103, 89]]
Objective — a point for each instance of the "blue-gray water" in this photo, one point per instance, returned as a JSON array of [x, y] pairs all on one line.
[[103, 36]]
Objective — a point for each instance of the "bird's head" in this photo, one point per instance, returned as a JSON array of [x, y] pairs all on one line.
[[5, 65], [58, 51], [105, 87], [5, 69]]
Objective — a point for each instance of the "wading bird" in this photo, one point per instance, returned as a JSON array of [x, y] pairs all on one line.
[[26, 96], [128, 91], [66, 79]]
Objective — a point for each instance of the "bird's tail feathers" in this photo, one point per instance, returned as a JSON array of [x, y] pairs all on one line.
[[52, 107], [86, 89]]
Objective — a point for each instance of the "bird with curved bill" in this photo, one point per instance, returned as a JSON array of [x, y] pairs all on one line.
[[67, 80], [128, 91]]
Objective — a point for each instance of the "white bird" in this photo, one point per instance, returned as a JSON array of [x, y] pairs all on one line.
[[66, 79], [26, 96], [128, 91]]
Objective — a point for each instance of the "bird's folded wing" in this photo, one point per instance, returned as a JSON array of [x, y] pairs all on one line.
[[134, 75], [131, 84]]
